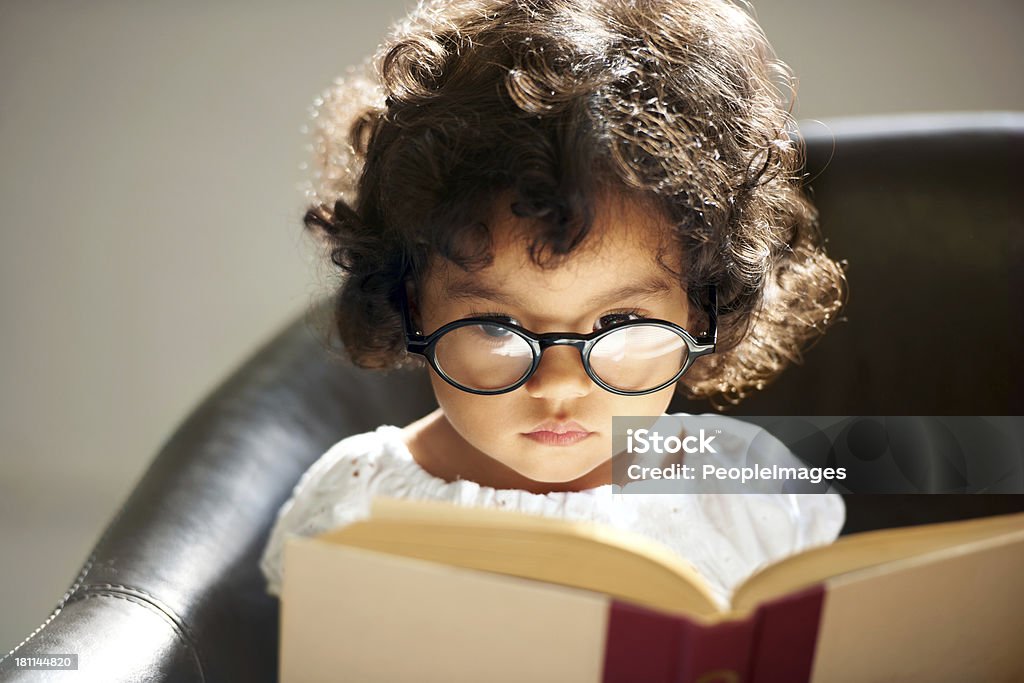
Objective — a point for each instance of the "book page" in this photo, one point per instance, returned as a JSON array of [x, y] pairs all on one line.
[[858, 551], [586, 555]]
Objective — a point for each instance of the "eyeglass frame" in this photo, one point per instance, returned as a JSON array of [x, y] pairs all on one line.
[[425, 345]]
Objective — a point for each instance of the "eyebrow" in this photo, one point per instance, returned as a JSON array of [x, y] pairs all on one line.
[[651, 286]]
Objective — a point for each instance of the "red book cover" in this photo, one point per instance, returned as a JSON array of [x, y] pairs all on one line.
[[774, 643], [646, 645], [785, 637]]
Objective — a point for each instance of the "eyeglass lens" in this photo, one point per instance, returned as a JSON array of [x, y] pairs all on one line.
[[489, 357]]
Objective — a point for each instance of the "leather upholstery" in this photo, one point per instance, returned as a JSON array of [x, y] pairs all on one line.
[[926, 211], [922, 207]]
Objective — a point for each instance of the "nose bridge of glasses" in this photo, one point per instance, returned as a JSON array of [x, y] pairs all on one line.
[[575, 340]]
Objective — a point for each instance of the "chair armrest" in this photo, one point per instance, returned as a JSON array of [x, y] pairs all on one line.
[[172, 590]]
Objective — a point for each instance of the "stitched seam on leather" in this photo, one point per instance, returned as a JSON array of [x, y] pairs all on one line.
[[178, 629], [117, 589], [60, 605]]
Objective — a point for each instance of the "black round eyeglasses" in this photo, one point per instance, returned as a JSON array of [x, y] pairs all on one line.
[[486, 355]]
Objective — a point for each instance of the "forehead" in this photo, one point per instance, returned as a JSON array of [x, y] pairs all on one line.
[[621, 249]]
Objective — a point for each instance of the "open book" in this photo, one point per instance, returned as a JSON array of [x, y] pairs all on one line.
[[425, 590]]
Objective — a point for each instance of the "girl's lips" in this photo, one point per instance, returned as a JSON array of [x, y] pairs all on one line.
[[559, 427], [555, 439]]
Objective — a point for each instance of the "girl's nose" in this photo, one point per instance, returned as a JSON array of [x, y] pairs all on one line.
[[560, 375]]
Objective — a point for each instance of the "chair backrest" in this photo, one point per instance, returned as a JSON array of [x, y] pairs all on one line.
[[926, 210]]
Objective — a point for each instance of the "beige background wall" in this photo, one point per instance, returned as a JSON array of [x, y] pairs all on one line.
[[149, 160]]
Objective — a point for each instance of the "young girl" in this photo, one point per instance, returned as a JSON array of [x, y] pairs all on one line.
[[609, 190]]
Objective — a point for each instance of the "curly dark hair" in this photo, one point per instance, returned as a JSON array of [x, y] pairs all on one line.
[[677, 102]]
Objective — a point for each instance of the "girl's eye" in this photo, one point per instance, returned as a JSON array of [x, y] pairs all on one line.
[[623, 316], [495, 332]]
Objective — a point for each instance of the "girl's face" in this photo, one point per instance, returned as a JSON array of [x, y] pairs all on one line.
[[584, 294]]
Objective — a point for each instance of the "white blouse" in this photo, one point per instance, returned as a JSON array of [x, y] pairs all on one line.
[[725, 536]]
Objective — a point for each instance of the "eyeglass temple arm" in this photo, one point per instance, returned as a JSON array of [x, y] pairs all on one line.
[[711, 308], [414, 340]]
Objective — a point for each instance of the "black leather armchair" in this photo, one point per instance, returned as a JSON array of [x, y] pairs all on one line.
[[926, 210]]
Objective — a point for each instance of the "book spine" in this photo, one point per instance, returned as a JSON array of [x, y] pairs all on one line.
[[785, 637], [646, 645]]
